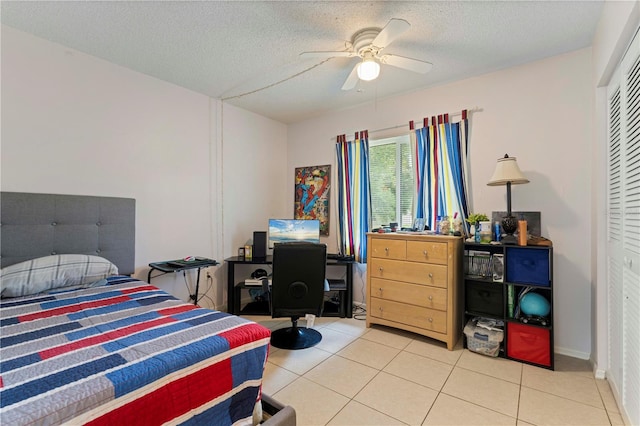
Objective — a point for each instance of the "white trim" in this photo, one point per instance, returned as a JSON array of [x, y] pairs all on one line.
[[599, 373], [572, 353]]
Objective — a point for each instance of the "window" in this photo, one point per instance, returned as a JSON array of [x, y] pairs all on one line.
[[391, 180]]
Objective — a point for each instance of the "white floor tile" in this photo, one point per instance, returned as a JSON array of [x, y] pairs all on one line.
[[314, 404], [276, 378], [418, 369], [332, 340], [395, 338], [607, 396], [369, 353], [382, 376], [342, 375], [576, 387], [483, 390], [540, 408], [500, 368], [356, 414], [349, 326], [434, 349], [298, 361], [398, 398], [448, 410]]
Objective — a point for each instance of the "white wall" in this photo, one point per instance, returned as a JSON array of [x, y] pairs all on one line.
[[541, 113], [75, 124], [254, 177]]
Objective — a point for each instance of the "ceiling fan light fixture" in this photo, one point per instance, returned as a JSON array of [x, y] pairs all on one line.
[[368, 69]]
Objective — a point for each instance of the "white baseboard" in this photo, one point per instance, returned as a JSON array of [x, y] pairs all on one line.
[[572, 353]]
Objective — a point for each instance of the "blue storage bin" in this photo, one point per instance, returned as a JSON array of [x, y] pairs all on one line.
[[527, 266]]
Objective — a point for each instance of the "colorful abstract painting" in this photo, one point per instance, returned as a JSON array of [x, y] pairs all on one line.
[[311, 199]]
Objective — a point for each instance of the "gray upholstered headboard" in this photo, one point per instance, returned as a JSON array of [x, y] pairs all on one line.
[[37, 225]]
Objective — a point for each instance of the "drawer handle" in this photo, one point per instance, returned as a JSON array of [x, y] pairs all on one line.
[[380, 269], [431, 276], [430, 297], [380, 291], [426, 254], [430, 319], [386, 250]]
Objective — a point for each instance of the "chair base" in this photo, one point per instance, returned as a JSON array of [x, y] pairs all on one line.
[[295, 338]]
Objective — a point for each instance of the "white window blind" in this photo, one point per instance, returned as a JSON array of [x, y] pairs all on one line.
[[391, 180]]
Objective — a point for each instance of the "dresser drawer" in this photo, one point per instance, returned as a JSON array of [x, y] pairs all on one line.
[[427, 251], [413, 272], [416, 316], [388, 249], [414, 294]]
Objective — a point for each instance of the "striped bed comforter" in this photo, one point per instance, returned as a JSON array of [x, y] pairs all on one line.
[[126, 353]]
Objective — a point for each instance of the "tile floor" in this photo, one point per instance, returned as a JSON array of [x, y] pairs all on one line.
[[384, 376]]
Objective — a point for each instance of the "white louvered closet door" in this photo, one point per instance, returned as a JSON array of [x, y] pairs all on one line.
[[623, 251]]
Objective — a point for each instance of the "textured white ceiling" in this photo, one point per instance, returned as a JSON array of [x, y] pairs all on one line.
[[227, 48]]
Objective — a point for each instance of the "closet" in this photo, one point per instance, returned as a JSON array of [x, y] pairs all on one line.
[[623, 231]]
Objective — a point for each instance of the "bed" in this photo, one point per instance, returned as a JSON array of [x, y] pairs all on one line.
[[81, 342]]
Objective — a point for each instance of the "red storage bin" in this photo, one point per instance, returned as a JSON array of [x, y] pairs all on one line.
[[528, 343]]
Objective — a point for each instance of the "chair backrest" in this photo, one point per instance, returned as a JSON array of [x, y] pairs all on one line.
[[297, 284]]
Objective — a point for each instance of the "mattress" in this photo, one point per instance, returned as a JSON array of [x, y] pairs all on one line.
[[126, 353]]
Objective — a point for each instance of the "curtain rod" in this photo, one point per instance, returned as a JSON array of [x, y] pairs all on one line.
[[469, 110]]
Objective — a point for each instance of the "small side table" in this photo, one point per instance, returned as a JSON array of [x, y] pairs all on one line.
[[169, 266]]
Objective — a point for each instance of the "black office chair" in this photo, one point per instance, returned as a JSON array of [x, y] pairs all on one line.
[[297, 289]]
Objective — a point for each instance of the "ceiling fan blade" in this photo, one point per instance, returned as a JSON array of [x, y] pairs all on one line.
[[391, 31], [352, 80], [321, 54], [410, 64]]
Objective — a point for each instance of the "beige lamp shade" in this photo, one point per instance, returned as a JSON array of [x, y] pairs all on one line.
[[506, 171]]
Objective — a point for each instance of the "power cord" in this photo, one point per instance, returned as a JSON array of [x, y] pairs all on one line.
[[195, 297], [359, 311], [276, 83]]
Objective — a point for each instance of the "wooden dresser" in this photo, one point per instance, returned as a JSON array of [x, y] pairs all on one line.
[[414, 283]]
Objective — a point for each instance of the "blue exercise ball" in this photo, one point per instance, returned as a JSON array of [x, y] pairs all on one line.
[[534, 304]]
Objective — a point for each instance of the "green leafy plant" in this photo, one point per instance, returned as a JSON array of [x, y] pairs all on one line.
[[477, 217]]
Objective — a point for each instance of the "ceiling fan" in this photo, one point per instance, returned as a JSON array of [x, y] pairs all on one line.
[[368, 45]]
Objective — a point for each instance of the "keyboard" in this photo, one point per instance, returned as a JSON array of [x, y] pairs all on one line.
[[192, 263]]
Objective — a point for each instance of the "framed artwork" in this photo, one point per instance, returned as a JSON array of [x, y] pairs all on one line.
[[311, 198]]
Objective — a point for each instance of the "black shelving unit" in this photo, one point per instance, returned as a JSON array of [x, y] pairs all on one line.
[[340, 305], [526, 339]]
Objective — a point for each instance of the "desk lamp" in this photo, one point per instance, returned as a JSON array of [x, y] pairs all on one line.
[[508, 173]]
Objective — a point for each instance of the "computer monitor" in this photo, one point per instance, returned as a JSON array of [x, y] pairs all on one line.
[[291, 230]]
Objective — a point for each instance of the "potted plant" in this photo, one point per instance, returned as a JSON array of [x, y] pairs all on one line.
[[477, 217]]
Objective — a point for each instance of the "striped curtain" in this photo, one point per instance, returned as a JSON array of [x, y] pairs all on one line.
[[441, 168], [354, 195]]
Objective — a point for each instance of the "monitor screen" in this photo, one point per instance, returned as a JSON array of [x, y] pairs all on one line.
[[291, 230]]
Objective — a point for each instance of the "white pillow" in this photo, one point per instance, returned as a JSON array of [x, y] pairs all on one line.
[[46, 273]]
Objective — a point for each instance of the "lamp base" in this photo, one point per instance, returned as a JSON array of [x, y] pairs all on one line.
[[509, 224], [509, 239]]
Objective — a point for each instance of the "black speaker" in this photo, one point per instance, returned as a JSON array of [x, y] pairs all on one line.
[[259, 245]]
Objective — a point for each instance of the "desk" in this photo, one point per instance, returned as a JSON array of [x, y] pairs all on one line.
[[167, 267], [233, 302]]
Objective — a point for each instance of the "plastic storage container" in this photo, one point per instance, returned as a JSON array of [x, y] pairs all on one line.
[[484, 298], [483, 340], [528, 266], [528, 343]]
